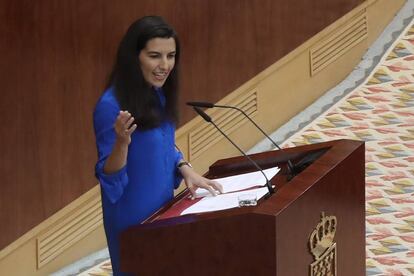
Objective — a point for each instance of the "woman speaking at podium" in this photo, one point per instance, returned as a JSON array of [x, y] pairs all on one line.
[[134, 120]]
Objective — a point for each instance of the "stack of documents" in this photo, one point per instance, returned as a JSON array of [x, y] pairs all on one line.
[[233, 187]]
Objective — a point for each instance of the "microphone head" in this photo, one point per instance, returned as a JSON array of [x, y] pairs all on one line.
[[201, 104], [202, 114]]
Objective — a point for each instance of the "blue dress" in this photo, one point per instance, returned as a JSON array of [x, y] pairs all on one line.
[[147, 181]]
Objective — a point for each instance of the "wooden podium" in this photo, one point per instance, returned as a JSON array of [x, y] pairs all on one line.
[[273, 238]]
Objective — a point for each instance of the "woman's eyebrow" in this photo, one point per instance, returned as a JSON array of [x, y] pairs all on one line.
[[156, 52]]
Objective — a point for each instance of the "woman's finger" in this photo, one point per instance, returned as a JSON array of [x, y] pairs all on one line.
[[129, 122], [206, 185], [192, 190], [217, 186], [131, 129], [124, 116], [120, 119], [211, 190]]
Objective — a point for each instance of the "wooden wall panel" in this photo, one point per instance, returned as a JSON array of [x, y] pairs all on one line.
[[55, 57]]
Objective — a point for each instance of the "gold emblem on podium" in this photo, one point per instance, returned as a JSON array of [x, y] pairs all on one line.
[[323, 247]]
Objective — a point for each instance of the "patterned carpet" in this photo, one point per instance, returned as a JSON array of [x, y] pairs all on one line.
[[381, 112], [102, 269]]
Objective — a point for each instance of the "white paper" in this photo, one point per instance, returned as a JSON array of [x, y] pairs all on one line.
[[222, 201], [241, 181]]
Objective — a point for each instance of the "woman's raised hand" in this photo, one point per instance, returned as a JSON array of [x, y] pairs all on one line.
[[124, 126]]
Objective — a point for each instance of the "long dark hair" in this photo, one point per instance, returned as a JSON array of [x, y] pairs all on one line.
[[132, 91]]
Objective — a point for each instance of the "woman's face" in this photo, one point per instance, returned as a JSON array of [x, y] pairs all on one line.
[[157, 60]]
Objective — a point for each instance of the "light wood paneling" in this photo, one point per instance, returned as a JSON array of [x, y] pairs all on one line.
[[72, 228], [339, 42], [65, 237]]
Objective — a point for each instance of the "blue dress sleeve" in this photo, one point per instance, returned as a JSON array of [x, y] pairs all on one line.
[[104, 118], [178, 176]]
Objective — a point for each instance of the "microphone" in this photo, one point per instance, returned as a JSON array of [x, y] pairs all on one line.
[[202, 104], [209, 120], [291, 167]]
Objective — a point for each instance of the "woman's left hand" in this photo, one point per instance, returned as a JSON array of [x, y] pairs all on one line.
[[194, 181]]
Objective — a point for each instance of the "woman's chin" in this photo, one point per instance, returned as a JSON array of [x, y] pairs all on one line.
[[158, 84]]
